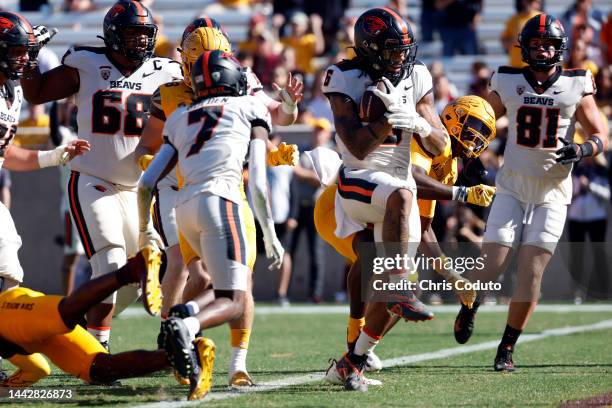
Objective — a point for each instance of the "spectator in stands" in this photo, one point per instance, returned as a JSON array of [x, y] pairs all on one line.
[[345, 39], [163, 46], [33, 131], [459, 25], [578, 57], [317, 103], [78, 6], [5, 187], [605, 39], [288, 59], [306, 186], [514, 25], [480, 79], [587, 216], [279, 180], [603, 80], [32, 5], [331, 12], [582, 14], [307, 45], [436, 68], [266, 57], [282, 10], [442, 93], [431, 19], [257, 24]]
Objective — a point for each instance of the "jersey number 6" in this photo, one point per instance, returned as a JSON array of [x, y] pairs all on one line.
[[106, 115]]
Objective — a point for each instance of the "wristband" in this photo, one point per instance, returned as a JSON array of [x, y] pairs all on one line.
[[460, 194]]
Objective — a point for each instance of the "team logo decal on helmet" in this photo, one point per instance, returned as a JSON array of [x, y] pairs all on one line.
[[373, 25], [6, 24]]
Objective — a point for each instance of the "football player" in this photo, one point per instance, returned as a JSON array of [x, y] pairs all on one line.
[[471, 123], [33, 324], [375, 183], [206, 34], [113, 87], [209, 139], [534, 185]]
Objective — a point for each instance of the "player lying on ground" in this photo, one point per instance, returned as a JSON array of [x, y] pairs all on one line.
[[33, 324], [206, 34], [209, 140], [471, 124], [534, 185]]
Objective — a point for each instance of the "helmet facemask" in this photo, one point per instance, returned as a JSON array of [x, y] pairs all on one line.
[[14, 60], [138, 42]]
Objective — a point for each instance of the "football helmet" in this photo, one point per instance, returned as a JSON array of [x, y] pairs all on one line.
[[543, 26], [379, 33], [17, 41], [197, 42], [470, 120], [126, 14], [217, 73], [203, 22]]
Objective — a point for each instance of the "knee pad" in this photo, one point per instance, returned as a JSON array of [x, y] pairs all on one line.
[[105, 261]]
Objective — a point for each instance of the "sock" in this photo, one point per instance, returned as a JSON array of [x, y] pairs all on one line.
[[238, 360], [193, 325], [102, 333], [366, 342], [354, 329], [510, 337], [239, 338], [193, 308]]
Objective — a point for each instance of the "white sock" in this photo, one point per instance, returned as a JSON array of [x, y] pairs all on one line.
[[193, 307], [365, 343], [101, 334], [238, 360], [193, 325]]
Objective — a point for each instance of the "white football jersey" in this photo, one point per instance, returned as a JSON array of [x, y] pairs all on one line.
[[539, 115], [347, 78], [212, 139], [11, 98], [113, 110]]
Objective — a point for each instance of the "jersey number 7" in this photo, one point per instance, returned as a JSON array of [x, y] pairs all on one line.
[[210, 115]]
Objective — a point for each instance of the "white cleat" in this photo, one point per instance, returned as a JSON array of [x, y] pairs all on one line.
[[373, 363], [332, 376]]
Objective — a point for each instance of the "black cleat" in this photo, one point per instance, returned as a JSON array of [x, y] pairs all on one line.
[[503, 359], [179, 347], [105, 345], [464, 323], [408, 307], [182, 311]]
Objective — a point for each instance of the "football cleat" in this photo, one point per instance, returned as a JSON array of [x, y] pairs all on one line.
[[503, 359], [180, 380], [333, 377], [409, 307], [373, 363], [151, 287], [178, 346], [241, 379], [464, 323], [351, 374], [201, 380]]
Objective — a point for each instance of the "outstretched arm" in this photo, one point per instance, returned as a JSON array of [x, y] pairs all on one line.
[[18, 159]]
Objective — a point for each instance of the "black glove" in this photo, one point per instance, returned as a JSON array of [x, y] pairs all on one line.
[[569, 153]]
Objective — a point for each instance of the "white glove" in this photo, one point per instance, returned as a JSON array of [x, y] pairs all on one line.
[[389, 99], [150, 238], [274, 251], [411, 122], [43, 34]]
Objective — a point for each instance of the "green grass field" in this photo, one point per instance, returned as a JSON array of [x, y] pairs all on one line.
[[288, 346]]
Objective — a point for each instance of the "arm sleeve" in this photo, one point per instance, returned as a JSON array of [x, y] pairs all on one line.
[[423, 84]]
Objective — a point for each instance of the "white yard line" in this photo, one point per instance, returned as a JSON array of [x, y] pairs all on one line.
[[342, 309], [393, 362]]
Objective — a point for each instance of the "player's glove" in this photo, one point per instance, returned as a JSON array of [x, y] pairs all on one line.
[[412, 122], [570, 153], [274, 250], [393, 97], [43, 35], [467, 296], [481, 195], [284, 155], [150, 238], [144, 161]]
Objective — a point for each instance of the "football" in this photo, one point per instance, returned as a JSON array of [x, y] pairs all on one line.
[[371, 108]]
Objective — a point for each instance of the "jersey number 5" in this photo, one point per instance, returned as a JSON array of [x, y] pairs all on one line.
[[210, 115], [106, 116], [529, 124]]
